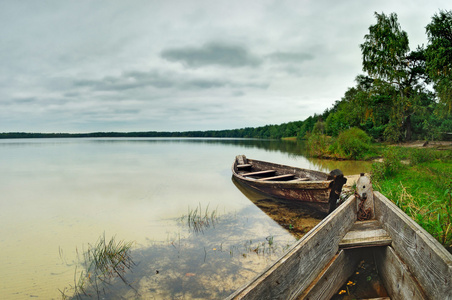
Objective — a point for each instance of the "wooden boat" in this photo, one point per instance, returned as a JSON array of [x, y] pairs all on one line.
[[317, 189], [410, 262]]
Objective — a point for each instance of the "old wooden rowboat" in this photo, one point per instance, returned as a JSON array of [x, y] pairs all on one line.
[[410, 262], [317, 189]]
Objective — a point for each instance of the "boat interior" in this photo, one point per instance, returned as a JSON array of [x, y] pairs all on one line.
[[260, 172]]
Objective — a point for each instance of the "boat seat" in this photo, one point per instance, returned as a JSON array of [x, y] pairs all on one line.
[[365, 234], [300, 179], [244, 166], [264, 172], [284, 176]]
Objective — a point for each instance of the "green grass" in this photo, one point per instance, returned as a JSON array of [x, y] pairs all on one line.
[[421, 187]]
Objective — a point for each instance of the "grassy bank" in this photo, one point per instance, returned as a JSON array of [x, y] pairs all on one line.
[[419, 181]]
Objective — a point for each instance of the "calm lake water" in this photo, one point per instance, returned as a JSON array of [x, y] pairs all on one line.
[[58, 196]]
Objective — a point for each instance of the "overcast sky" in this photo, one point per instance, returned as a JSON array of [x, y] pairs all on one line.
[[83, 66]]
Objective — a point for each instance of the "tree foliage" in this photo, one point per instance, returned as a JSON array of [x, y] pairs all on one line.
[[439, 56], [385, 49]]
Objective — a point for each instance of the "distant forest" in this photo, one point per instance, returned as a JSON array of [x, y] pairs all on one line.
[[404, 95]]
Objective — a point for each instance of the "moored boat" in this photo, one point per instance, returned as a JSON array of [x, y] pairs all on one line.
[[410, 262], [317, 189]]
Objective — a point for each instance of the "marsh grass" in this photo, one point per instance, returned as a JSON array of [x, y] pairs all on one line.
[[102, 263], [199, 219], [422, 188]]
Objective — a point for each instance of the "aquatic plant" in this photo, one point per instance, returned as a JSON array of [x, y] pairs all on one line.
[[102, 263], [199, 219]]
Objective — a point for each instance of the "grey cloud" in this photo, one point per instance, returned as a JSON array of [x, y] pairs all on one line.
[[289, 57], [137, 80], [41, 101], [213, 54], [24, 100], [127, 81]]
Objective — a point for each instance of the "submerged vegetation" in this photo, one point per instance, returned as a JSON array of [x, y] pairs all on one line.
[[187, 265], [102, 263], [199, 219]]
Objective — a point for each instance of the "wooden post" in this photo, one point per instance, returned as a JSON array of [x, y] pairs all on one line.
[[365, 198]]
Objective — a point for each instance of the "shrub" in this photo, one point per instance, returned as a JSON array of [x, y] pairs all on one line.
[[317, 144], [389, 166], [352, 143]]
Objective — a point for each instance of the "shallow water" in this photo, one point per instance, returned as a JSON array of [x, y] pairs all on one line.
[[59, 195]]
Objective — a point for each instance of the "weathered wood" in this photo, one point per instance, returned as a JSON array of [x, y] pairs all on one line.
[[241, 159], [244, 166], [365, 201], [427, 260], [294, 272], [332, 277], [414, 266], [283, 176], [396, 277], [366, 234], [300, 179], [263, 172], [311, 187]]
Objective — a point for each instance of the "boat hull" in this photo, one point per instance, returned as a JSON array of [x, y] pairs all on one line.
[[315, 192], [411, 263]]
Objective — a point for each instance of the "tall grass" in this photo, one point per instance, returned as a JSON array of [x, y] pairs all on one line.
[[421, 187]]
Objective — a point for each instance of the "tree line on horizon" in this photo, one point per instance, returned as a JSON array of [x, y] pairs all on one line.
[[403, 95]]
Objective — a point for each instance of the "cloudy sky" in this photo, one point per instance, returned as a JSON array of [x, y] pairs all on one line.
[[83, 66]]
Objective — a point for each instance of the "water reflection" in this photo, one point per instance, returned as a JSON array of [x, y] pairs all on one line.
[[63, 193], [295, 217], [210, 265], [348, 167]]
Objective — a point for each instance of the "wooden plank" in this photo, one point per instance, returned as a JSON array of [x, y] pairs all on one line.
[[366, 234], [284, 176], [396, 277], [293, 272], [300, 179], [244, 166], [428, 261], [332, 277], [263, 172], [241, 159]]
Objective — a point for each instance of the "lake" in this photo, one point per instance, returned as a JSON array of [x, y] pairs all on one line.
[[60, 196]]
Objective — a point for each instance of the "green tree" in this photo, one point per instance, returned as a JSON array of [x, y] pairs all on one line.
[[396, 71], [439, 56], [385, 49]]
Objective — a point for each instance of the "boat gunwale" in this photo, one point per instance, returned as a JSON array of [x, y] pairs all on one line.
[[245, 290], [417, 261], [323, 183]]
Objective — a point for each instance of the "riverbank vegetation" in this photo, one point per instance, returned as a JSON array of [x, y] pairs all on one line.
[[419, 181], [352, 143]]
